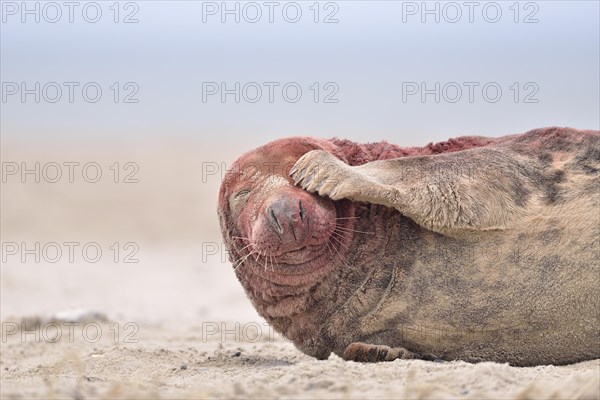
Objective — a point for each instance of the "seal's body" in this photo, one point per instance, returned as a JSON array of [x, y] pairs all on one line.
[[478, 249]]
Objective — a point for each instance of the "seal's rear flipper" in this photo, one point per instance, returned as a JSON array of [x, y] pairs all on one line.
[[364, 352]]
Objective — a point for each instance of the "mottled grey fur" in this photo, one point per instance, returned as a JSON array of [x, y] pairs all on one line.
[[491, 253]]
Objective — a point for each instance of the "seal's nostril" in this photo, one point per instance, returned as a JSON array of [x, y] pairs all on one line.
[[301, 211], [276, 221]]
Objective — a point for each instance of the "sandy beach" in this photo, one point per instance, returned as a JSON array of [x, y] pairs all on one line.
[[167, 363]]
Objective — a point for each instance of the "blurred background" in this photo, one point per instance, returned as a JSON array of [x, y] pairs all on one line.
[[118, 120]]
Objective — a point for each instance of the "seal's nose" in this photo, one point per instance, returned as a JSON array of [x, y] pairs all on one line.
[[286, 216]]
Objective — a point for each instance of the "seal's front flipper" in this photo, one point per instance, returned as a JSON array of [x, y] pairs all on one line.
[[364, 352], [476, 189], [319, 171]]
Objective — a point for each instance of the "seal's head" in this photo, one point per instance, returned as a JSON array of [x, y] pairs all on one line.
[[282, 240]]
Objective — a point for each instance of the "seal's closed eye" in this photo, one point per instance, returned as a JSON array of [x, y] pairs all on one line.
[[241, 193], [238, 198]]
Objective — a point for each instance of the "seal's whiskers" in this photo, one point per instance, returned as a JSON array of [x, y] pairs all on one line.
[[338, 253], [245, 247], [240, 261], [339, 239], [353, 230]]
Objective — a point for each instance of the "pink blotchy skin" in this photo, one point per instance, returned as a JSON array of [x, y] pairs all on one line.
[[284, 239]]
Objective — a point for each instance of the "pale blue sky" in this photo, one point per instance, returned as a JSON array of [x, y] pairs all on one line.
[[368, 54]]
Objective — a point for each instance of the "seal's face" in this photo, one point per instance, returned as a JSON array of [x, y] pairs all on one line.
[[281, 239], [284, 222]]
